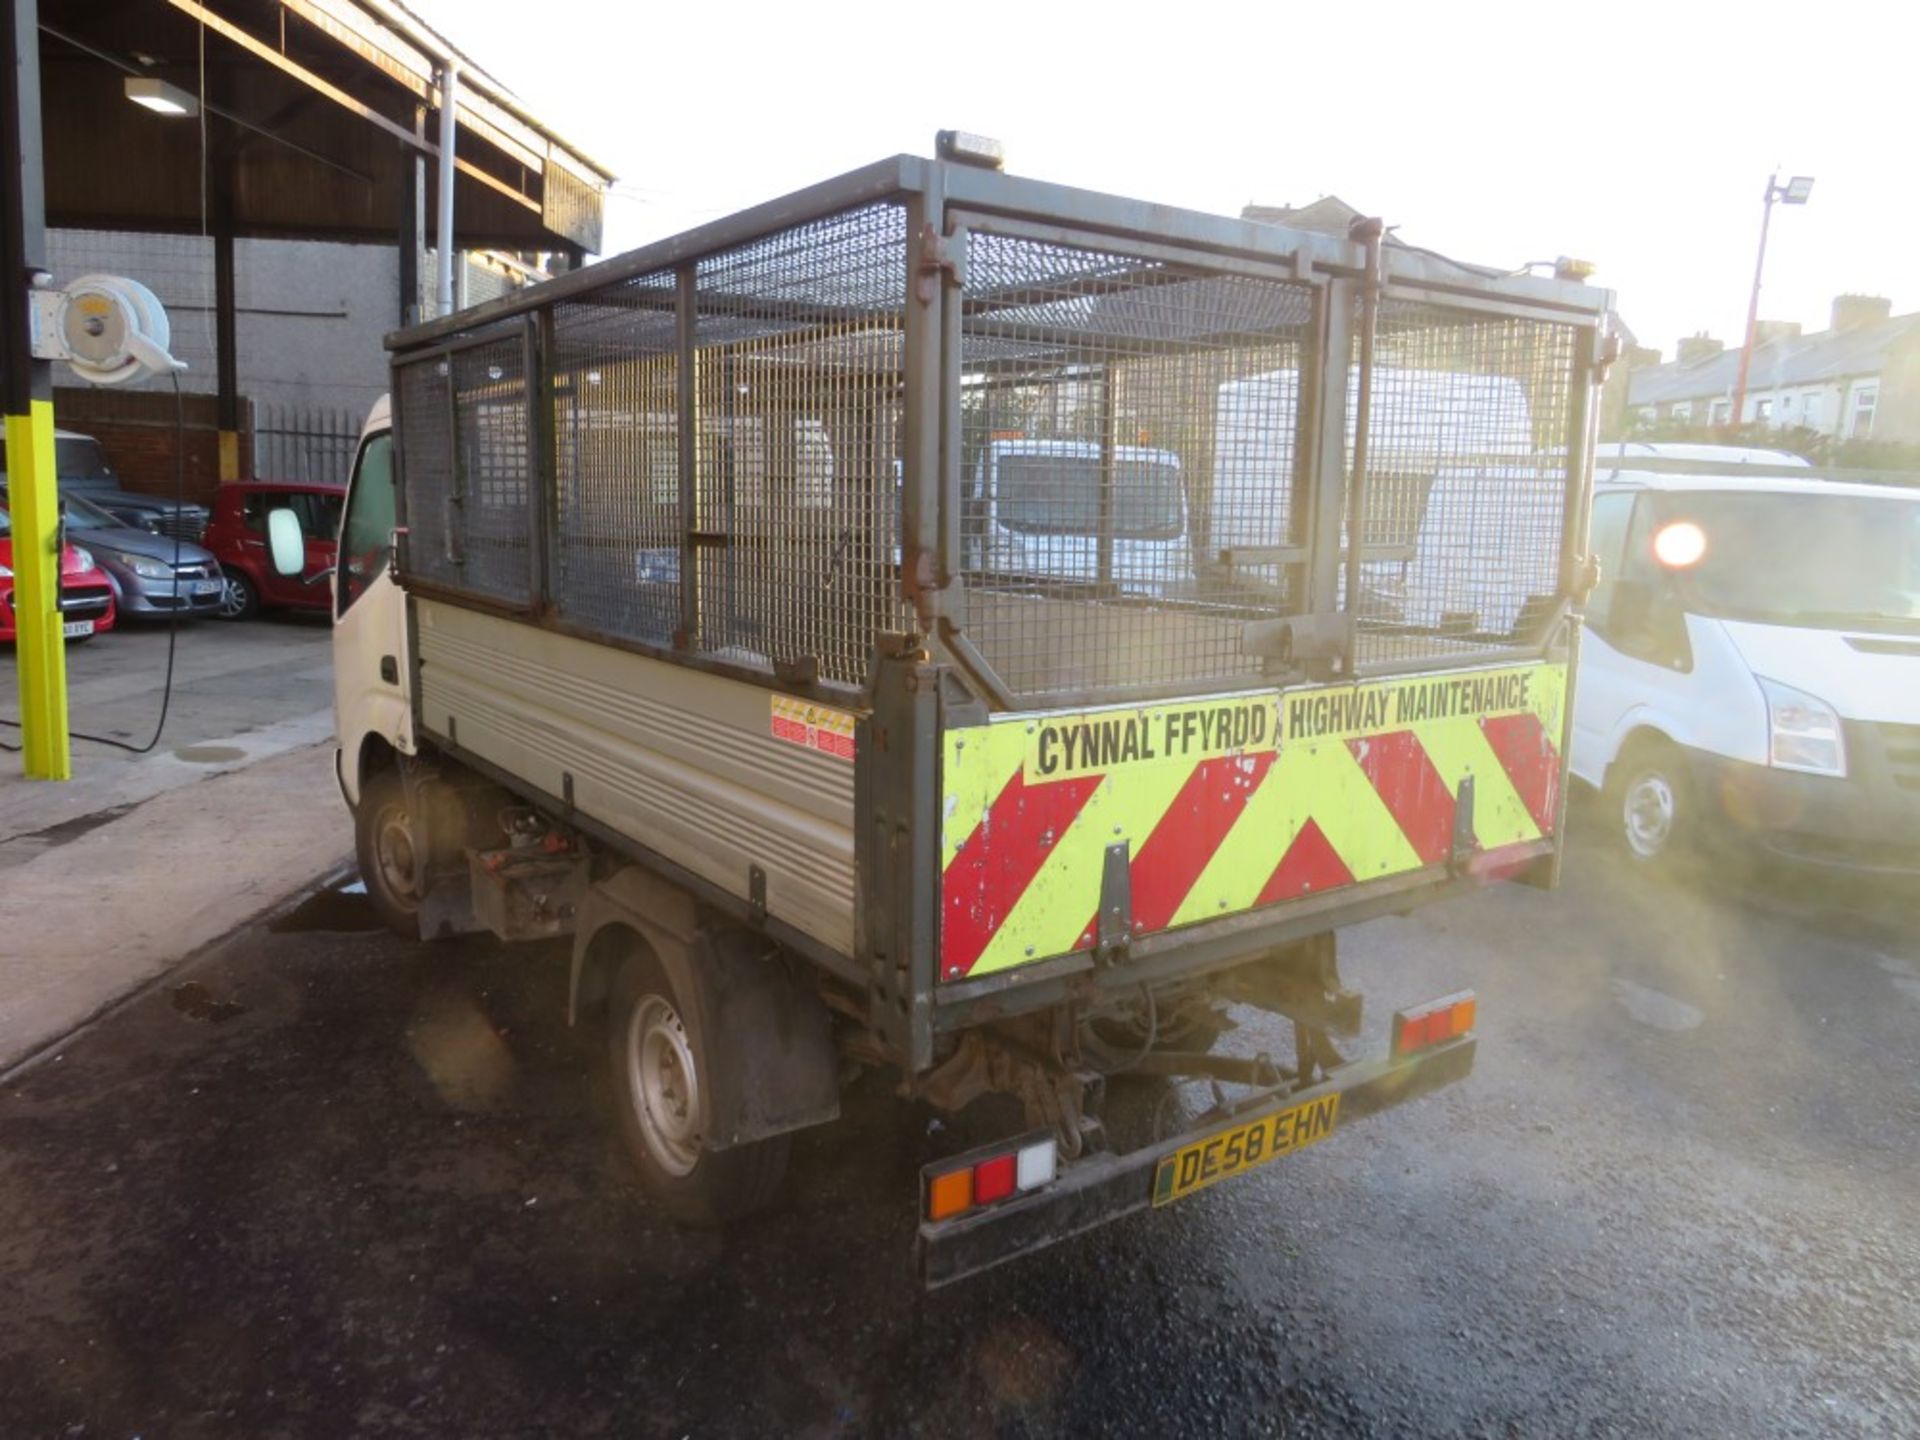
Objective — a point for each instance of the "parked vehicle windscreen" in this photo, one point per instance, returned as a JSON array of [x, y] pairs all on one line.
[[1805, 559], [1060, 495], [85, 515], [80, 458]]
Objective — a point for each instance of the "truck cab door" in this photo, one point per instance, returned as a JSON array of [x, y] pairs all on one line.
[[371, 662]]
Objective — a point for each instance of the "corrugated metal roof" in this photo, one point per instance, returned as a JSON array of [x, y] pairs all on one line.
[[1803, 360]]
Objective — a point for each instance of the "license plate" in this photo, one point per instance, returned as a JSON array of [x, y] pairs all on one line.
[[1227, 1153], [77, 627], [208, 587]]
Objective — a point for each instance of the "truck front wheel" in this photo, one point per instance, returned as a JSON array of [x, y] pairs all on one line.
[[383, 842], [661, 1070]]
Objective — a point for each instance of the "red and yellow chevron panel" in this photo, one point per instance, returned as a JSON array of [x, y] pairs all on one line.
[[1231, 802]]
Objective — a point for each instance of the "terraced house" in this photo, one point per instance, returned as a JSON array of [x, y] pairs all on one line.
[[1858, 379]]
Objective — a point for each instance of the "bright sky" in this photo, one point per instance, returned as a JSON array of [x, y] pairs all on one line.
[[1637, 135]]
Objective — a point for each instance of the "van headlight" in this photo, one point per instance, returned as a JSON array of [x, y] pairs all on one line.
[[1803, 733], [82, 561]]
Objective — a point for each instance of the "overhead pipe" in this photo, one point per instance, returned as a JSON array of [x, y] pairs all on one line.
[[410, 28], [449, 102]]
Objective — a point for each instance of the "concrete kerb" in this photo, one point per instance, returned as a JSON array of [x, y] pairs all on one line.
[[338, 872], [103, 909]]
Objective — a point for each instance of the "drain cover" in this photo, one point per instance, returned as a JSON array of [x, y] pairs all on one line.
[[209, 754]]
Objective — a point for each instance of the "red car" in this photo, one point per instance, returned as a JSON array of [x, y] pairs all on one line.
[[86, 597], [237, 535]]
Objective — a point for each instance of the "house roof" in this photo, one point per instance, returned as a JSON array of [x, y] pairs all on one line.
[[1797, 360], [1329, 214]]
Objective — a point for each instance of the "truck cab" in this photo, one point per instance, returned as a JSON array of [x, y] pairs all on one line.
[[372, 719]]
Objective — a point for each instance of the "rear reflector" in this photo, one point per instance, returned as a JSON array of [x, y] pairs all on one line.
[[983, 1180], [1038, 1163], [993, 1180], [1433, 1024], [950, 1194]]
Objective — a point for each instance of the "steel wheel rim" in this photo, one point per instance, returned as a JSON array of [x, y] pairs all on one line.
[[1649, 809], [233, 598], [393, 853], [665, 1085]]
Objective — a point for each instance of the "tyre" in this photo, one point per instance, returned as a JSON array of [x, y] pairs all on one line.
[[1651, 801], [383, 841], [661, 1072], [240, 600]]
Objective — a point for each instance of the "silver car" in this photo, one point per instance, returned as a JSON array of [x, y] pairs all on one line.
[[152, 575]]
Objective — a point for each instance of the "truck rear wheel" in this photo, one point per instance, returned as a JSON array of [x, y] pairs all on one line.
[[383, 842], [661, 1071]]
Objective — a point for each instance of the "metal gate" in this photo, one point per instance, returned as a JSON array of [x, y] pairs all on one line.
[[307, 443]]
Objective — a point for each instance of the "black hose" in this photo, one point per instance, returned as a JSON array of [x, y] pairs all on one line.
[[173, 615]]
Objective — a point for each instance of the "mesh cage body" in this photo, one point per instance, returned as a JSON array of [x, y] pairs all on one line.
[[1128, 442], [1466, 485], [616, 458], [799, 348], [1149, 458], [469, 466]]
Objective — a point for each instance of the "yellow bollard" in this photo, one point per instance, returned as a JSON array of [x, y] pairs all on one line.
[[33, 506]]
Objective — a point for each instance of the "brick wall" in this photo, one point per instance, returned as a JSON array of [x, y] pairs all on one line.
[[137, 429]]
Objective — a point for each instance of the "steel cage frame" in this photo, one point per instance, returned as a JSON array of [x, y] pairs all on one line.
[[942, 202]]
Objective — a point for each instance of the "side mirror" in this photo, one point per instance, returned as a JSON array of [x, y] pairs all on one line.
[[285, 542]]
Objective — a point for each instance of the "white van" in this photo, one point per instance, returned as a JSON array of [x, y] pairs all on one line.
[[1751, 662], [1442, 445], [1033, 510]]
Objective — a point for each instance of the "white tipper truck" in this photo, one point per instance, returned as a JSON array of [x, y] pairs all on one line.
[[669, 617]]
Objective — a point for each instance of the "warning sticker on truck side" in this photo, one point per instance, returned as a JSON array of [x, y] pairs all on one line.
[[813, 726]]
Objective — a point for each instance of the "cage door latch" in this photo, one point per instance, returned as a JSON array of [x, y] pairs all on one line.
[[939, 256]]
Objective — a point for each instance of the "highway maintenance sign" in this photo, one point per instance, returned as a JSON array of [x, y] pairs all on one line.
[[1231, 803]]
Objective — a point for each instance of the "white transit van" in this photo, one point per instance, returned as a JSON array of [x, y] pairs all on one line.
[[1751, 664]]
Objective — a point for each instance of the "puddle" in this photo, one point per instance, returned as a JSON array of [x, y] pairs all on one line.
[[66, 830], [1655, 1007], [340, 908], [209, 754], [196, 1002]]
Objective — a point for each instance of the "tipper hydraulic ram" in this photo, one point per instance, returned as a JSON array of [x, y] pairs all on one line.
[[979, 628]]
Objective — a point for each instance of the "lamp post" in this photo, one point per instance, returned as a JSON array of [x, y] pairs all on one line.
[[1794, 192]]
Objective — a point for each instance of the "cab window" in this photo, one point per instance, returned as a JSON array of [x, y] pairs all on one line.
[[1608, 542], [1636, 608], [366, 539]]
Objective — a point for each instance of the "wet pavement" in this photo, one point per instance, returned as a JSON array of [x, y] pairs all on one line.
[[323, 1183]]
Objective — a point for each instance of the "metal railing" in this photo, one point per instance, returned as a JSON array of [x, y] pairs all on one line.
[[303, 443]]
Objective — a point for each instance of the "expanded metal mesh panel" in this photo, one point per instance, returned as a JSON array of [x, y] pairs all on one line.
[[467, 468], [494, 463], [1129, 465], [799, 346], [425, 417], [1466, 483], [616, 445]]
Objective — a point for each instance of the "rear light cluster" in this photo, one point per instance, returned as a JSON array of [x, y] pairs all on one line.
[[1432, 1024], [981, 1180]]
